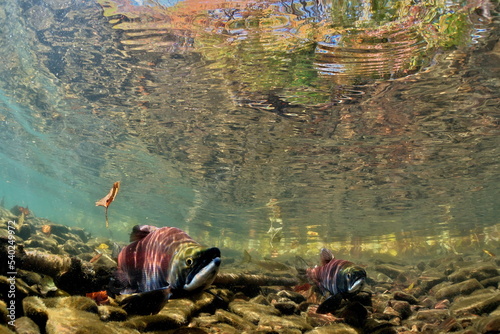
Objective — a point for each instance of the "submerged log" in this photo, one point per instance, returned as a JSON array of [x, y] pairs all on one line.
[[248, 279], [70, 274]]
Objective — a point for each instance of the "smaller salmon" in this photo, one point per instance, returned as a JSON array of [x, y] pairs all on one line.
[[340, 278]]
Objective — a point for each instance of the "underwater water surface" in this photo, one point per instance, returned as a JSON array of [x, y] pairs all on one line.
[[272, 125]]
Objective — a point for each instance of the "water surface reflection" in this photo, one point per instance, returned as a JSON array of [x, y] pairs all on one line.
[[374, 122]]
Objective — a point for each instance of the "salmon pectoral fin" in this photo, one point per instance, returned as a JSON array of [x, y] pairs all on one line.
[[145, 303], [331, 304]]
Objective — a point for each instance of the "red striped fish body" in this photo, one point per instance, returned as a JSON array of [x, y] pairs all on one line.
[[339, 278], [165, 257]]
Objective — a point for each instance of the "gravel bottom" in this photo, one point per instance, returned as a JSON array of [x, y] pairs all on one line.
[[454, 293]]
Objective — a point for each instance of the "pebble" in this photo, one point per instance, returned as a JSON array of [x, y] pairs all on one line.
[[5, 330], [36, 310], [334, 329], [430, 277], [70, 321], [391, 270], [286, 307], [234, 320], [3, 312], [251, 311], [25, 325], [288, 322], [111, 313], [293, 296], [479, 272], [399, 295], [402, 308], [76, 302], [488, 325], [476, 304], [433, 315]]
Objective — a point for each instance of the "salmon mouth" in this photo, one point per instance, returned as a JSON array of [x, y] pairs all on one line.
[[356, 285], [205, 271], [356, 280]]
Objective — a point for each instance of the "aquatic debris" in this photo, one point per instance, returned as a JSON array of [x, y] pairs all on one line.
[[340, 278], [489, 253], [96, 257], [100, 297], [17, 210], [46, 229], [25, 211], [108, 199], [103, 246], [166, 257]]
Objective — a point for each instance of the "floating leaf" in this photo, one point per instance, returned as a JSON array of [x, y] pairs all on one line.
[[108, 199]]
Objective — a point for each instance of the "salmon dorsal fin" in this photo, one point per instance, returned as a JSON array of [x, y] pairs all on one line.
[[246, 256], [326, 256], [140, 231]]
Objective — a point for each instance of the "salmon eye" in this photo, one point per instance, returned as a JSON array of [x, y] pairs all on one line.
[[189, 261]]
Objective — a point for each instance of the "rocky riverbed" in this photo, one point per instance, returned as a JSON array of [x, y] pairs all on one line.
[[57, 267]]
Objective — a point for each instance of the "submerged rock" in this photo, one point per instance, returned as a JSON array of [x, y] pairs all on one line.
[[476, 304], [479, 272], [286, 307], [488, 325], [354, 314], [433, 316], [399, 295], [111, 313], [464, 288], [47, 243], [234, 320], [36, 310], [5, 330], [75, 302], [293, 296], [176, 313], [70, 321], [273, 322], [334, 329], [251, 311], [391, 270], [3, 313], [25, 325], [157, 322], [402, 307]]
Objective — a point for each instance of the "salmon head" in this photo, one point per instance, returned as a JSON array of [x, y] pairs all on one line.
[[194, 268]]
